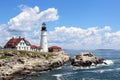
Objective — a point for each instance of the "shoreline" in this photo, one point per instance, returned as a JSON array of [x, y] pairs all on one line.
[[14, 62]]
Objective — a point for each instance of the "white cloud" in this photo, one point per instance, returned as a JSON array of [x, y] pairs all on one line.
[[26, 22], [78, 38], [113, 39], [107, 28], [31, 18]]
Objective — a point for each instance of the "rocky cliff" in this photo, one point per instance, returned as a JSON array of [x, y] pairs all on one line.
[[86, 59], [13, 61]]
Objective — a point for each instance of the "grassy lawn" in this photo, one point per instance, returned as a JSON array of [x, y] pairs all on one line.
[[5, 53]]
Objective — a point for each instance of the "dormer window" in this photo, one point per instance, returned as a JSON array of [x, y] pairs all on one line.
[[20, 43]]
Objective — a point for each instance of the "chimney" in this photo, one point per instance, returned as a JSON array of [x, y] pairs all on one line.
[[19, 37]]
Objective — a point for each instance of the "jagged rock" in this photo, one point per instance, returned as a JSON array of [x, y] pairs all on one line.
[[25, 72], [59, 61], [56, 64], [86, 59], [9, 54], [6, 78], [18, 62]]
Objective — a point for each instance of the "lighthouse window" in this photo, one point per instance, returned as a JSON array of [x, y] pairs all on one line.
[[44, 28]]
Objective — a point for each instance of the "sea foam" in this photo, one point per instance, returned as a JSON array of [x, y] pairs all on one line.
[[105, 63], [108, 62], [103, 70], [60, 76]]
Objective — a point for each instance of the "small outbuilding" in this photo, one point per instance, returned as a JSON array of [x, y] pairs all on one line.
[[54, 49]]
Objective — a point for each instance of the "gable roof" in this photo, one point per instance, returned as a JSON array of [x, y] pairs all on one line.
[[13, 42], [54, 47]]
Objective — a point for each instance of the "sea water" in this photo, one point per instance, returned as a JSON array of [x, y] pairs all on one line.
[[99, 72]]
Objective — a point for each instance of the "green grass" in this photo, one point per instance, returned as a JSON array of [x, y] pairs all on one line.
[[24, 53], [49, 55], [4, 57]]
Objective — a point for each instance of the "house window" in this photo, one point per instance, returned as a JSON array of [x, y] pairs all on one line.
[[21, 43], [19, 48]]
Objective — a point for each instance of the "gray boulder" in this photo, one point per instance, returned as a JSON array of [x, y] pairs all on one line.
[[86, 59]]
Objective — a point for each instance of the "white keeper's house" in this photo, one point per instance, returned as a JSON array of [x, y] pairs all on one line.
[[21, 44]]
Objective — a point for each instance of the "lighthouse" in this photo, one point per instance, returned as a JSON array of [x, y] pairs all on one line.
[[43, 42]]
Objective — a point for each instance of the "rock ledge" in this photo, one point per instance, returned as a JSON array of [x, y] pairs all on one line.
[[86, 59], [18, 62]]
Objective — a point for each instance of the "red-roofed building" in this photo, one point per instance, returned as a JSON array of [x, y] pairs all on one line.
[[54, 49], [20, 44], [35, 48]]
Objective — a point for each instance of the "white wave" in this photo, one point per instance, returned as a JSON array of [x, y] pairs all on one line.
[[105, 63], [59, 76], [58, 68], [90, 79], [44, 71], [104, 70], [68, 73], [108, 62], [77, 68]]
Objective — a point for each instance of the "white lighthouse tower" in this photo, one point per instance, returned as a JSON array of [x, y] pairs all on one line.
[[43, 42]]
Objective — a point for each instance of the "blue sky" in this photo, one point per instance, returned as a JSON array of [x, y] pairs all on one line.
[[101, 18]]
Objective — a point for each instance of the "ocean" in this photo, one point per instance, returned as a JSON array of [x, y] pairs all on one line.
[[101, 72]]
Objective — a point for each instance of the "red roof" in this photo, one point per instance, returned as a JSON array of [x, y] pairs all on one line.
[[55, 47], [13, 42], [34, 47]]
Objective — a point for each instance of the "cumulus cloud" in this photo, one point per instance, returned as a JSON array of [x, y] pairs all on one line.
[[31, 18], [27, 22], [112, 39], [90, 38]]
